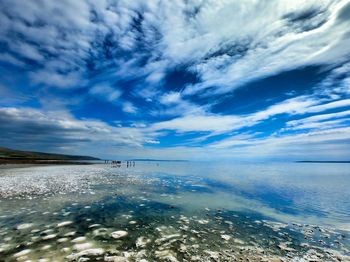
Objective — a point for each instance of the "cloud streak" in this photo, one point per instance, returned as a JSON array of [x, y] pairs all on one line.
[[175, 74]]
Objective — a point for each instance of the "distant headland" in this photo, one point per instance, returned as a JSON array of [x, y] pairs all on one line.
[[12, 156]]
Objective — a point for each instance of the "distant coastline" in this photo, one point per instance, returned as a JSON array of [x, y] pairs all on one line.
[[325, 161], [12, 156]]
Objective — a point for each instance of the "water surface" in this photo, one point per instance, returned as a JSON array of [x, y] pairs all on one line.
[[175, 211]]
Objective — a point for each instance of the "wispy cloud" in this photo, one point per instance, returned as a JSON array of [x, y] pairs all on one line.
[[27, 127], [171, 68]]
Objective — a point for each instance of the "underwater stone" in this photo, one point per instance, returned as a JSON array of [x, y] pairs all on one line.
[[24, 226], [70, 234], [94, 225], [48, 237], [63, 239], [23, 253], [79, 239], [46, 247], [226, 237], [87, 252], [100, 232], [116, 259], [166, 255], [119, 234], [83, 246], [141, 242], [65, 223]]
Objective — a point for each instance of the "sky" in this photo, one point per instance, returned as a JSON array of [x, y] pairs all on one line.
[[183, 79]]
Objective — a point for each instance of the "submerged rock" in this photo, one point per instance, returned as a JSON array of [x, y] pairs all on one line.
[[79, 239], [116, 259], [22, 253], [70, 234], [24, 226], [48, 237], [65, 223], [226, 237], [141, 242], [119, 234], [93, 252], [167, 255], [82, 246]]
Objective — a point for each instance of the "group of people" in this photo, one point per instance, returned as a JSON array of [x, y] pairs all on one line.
[[118, 163]]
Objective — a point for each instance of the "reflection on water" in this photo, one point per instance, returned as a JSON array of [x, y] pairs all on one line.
[[175, 212]]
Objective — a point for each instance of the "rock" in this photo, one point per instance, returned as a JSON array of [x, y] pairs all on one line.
[[46, 247], [213, 255], [94, 225], [100, 232], [203, 221], [70, 234], [65, 223], [65, 249], [24, 226], [83, 246], [119, 234], [79, 239], [48, 237], [238, 241], [167, 255], [284, 247], [62, 240], [23, 253], [195, 258], [141, 242], [182, 248], [166, 238], [116, 259], [226, 237], [88, 252]]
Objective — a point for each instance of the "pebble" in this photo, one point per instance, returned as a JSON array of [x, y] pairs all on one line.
[[167, 255], [23, 253], [119, 234], [79, 239], [226, 237], [70, 234], [83, 246], [141, 242], [65, 223], [87, 252], [24, 226], [48, 237]]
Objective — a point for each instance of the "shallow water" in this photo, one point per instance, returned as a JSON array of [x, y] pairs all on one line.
[[176, 211]]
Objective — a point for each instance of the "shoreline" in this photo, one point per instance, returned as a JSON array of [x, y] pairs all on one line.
[[6, 162]]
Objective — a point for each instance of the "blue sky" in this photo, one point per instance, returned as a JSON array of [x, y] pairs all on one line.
[[200, 79]]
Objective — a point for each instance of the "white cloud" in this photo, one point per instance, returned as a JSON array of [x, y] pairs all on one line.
[[225, 43], [128, 107], [260, 39], [318, 118], [105, 91], [170, 98], [150, 141], [28, 127], [205, 122]]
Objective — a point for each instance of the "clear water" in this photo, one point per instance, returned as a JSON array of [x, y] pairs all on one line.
[[176, 211]]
